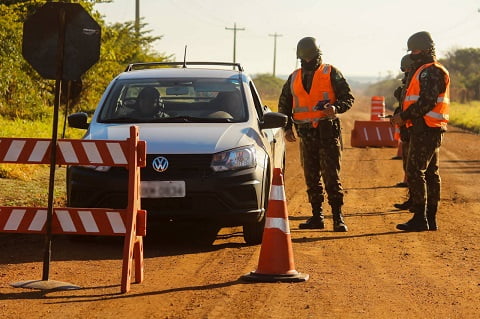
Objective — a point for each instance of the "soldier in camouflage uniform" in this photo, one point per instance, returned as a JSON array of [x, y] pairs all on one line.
[[425, 113], [311, 98], [407, 68]]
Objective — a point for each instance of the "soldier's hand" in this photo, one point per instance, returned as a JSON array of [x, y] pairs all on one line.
[[397, 120], [330, 110], [290, 136]]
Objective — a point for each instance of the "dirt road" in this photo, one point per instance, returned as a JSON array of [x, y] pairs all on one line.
[[372, 271]]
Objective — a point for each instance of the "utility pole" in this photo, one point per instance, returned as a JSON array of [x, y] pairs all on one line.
[[275, 36], [137, 18], [235, 29]]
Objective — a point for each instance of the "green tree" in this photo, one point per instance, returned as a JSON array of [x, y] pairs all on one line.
[[22, 91], [464, 68]]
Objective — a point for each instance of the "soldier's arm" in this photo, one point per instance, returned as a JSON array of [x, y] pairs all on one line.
[[285, 102], [342, 90]]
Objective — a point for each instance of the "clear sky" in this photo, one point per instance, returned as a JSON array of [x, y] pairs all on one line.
[[359, 37]]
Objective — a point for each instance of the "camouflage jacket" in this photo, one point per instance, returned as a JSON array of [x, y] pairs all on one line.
[[342, 90]]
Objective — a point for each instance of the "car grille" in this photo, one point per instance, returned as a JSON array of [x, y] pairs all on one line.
[[179, 166]]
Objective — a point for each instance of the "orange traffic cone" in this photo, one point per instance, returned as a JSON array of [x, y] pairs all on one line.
[[399, 151], [276, 254]]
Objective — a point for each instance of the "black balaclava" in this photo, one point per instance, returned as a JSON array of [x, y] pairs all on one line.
[[313, 64], [423, 57]]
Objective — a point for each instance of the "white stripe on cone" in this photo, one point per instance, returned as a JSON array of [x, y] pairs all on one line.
[[277, 192], [278, 223]]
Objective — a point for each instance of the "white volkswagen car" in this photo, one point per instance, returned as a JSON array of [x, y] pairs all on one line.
[[211, 145]]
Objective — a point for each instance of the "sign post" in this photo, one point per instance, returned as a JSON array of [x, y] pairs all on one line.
[[61, 41]]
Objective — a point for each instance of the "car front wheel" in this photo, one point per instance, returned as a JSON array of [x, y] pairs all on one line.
[[253, 232]]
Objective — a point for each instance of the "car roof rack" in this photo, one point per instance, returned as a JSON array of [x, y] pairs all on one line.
[[140, 65]]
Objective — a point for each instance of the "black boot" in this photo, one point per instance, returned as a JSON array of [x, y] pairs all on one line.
[[431, 217], [418, 222], [338, 222], [314, 222], [317, 220], [405, 205]]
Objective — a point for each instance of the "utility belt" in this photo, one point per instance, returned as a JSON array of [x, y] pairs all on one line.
[[327, 128]]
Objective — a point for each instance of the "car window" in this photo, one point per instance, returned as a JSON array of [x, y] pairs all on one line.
[[174, 100], [256, 101]]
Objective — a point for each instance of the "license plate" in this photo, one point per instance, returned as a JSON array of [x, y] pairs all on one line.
[[162, 189]]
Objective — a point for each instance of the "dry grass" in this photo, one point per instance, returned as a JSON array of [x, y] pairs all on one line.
[[32, 190]]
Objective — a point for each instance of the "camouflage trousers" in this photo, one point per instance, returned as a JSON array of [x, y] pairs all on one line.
[[320, 154], [422, 168]]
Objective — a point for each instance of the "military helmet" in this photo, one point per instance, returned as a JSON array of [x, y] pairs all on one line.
[[406, 63], [420, 41], [307, 48]]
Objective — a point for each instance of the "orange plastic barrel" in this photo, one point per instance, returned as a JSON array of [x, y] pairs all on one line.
[[378, 108]]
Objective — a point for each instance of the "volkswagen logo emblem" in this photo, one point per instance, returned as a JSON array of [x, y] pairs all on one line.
[[160, 164]]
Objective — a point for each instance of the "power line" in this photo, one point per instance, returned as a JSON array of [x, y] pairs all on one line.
[[275, 36], [235, 29]]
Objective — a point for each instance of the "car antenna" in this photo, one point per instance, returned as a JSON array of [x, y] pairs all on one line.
[[185, 57]]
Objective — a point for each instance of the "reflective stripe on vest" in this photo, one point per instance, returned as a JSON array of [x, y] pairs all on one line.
[[438, 116], [304, 103]]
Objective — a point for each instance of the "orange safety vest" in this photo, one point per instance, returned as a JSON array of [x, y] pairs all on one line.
[[438, 116], [304, 103]]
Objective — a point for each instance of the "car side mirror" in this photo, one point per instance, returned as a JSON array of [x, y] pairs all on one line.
[[273, 120], [78, 120]]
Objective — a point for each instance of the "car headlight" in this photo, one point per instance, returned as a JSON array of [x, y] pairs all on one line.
[[239, 158]]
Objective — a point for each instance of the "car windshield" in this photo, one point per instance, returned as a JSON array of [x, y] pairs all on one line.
[[174, 100]]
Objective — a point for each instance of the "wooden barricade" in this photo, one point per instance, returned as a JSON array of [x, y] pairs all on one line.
[[129, 222]]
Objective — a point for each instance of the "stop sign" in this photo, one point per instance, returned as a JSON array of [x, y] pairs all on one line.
[[81, 44]]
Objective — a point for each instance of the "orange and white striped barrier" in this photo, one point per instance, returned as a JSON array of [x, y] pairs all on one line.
[[78, 221], [373, 133], [129, 222], [276, 253]]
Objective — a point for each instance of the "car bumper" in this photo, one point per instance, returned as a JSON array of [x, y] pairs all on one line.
[[227, 198]]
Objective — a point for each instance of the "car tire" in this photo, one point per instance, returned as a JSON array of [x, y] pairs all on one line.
[[253, 232]]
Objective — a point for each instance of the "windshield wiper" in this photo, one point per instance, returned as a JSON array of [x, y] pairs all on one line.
[[193, 119]]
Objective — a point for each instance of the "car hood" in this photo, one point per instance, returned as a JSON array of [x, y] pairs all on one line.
[[191, 138]]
